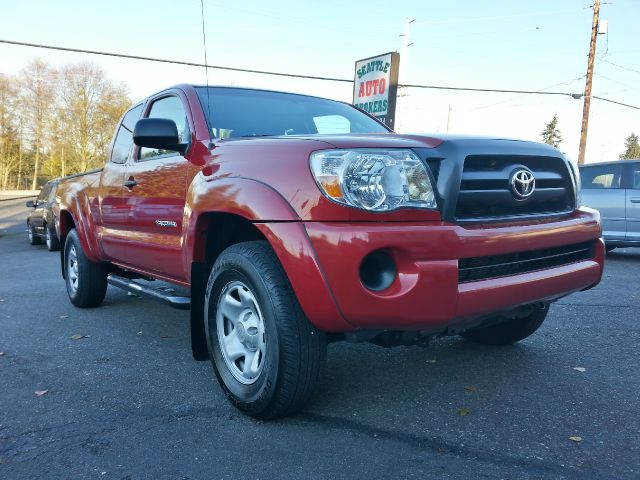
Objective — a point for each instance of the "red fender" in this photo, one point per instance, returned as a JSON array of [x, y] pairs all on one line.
[[262, 205]]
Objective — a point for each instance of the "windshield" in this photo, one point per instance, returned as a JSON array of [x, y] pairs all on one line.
[[238, 112]]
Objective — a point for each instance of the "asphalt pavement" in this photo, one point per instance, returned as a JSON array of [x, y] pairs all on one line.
[[113, 393]]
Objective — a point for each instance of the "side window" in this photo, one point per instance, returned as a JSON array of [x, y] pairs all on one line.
[[635, 176], [171, 108], [122, 145], [44, 194], [601, 176], [124, 138], [52, 192]]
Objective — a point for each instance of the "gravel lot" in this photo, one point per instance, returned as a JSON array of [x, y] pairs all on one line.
[[129, 402]]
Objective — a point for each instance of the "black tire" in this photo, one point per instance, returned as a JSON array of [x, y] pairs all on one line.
[[86, 281], [34, 238], [51, 239], [510, 330], [289, 351]]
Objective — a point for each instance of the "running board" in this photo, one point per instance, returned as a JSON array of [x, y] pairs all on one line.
[[163, 294]]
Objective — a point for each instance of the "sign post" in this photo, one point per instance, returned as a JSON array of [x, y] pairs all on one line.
[[376, 86]]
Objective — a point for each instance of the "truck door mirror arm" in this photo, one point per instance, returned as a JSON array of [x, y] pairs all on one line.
[[160, 133]]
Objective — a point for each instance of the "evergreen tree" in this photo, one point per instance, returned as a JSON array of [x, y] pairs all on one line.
[[631, 148], [551, 135]]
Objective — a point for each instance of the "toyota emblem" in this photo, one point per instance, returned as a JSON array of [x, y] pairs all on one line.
[[522, 183]]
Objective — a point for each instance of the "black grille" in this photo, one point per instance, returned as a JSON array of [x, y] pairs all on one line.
[[485, 192], [481, 268]]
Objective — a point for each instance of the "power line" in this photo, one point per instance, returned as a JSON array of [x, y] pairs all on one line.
[[264, 72], [491, 90], [174, 62], [293, 75], [569, 82], [621, 66], [617, 103]]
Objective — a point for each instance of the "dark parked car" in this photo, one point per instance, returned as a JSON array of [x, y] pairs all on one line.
[[41, 221], [613, 188]]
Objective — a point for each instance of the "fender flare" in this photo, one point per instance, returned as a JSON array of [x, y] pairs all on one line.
[[75, 202], [274, 217]]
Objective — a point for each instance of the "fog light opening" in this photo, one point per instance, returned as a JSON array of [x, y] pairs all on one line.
[[378, 271]]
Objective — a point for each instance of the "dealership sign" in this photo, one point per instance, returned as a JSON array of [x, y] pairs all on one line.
[[376, 86]]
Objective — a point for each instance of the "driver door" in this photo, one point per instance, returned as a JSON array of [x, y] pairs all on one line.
[[154, 197]]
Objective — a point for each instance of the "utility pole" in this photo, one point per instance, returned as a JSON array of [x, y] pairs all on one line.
[[404, 60], [449, 117], [587, 90], [403, 75]]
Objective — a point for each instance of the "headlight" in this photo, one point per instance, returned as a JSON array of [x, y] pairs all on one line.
[[375, 180]]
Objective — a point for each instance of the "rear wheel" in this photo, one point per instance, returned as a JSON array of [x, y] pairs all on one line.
[[51, 239], [86, 280], [509, 331], [34, 239], [266, 355]]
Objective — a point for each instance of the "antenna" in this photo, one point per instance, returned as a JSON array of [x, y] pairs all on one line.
[[206, 71]]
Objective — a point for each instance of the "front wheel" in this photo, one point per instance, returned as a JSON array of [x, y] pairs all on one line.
[[34, 239], [51, 239], [507, 331], [86, 280], [266, 355]]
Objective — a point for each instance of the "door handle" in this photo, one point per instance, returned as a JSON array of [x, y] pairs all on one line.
[[635, 200], [130, 183]]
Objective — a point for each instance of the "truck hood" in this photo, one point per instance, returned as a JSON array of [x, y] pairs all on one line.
[[389, 140]]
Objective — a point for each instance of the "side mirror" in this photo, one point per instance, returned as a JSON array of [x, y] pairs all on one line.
[[31, 204], [160, 133]]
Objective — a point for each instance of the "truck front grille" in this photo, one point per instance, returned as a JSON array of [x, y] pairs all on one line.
[[482, 268], [486, 194]]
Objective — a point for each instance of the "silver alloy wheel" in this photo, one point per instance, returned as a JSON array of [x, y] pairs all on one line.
[[30, 233], [72, 269], [241, 332], [47, 237]]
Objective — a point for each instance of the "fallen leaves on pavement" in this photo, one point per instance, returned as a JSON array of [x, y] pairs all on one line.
[[77, 336], [63, 317], [463, 412], [40, 393], [575, 439], [471, 388], [580, 369]]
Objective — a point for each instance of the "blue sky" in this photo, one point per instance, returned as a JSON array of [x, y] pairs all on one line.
[[494, 44]]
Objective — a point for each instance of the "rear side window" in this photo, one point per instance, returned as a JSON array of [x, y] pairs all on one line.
[[124, 139], [601, 176]]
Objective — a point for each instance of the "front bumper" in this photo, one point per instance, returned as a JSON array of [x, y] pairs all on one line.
[[426, 293]]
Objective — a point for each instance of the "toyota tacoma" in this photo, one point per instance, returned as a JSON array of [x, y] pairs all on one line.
[[285, 222]]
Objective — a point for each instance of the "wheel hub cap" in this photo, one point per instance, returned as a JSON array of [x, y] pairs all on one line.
[[241, 332], [72, 269]]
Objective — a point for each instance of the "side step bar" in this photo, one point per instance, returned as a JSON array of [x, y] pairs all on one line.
[[163, 294]]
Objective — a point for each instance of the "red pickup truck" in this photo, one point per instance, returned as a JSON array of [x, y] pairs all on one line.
[[287, 221]]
